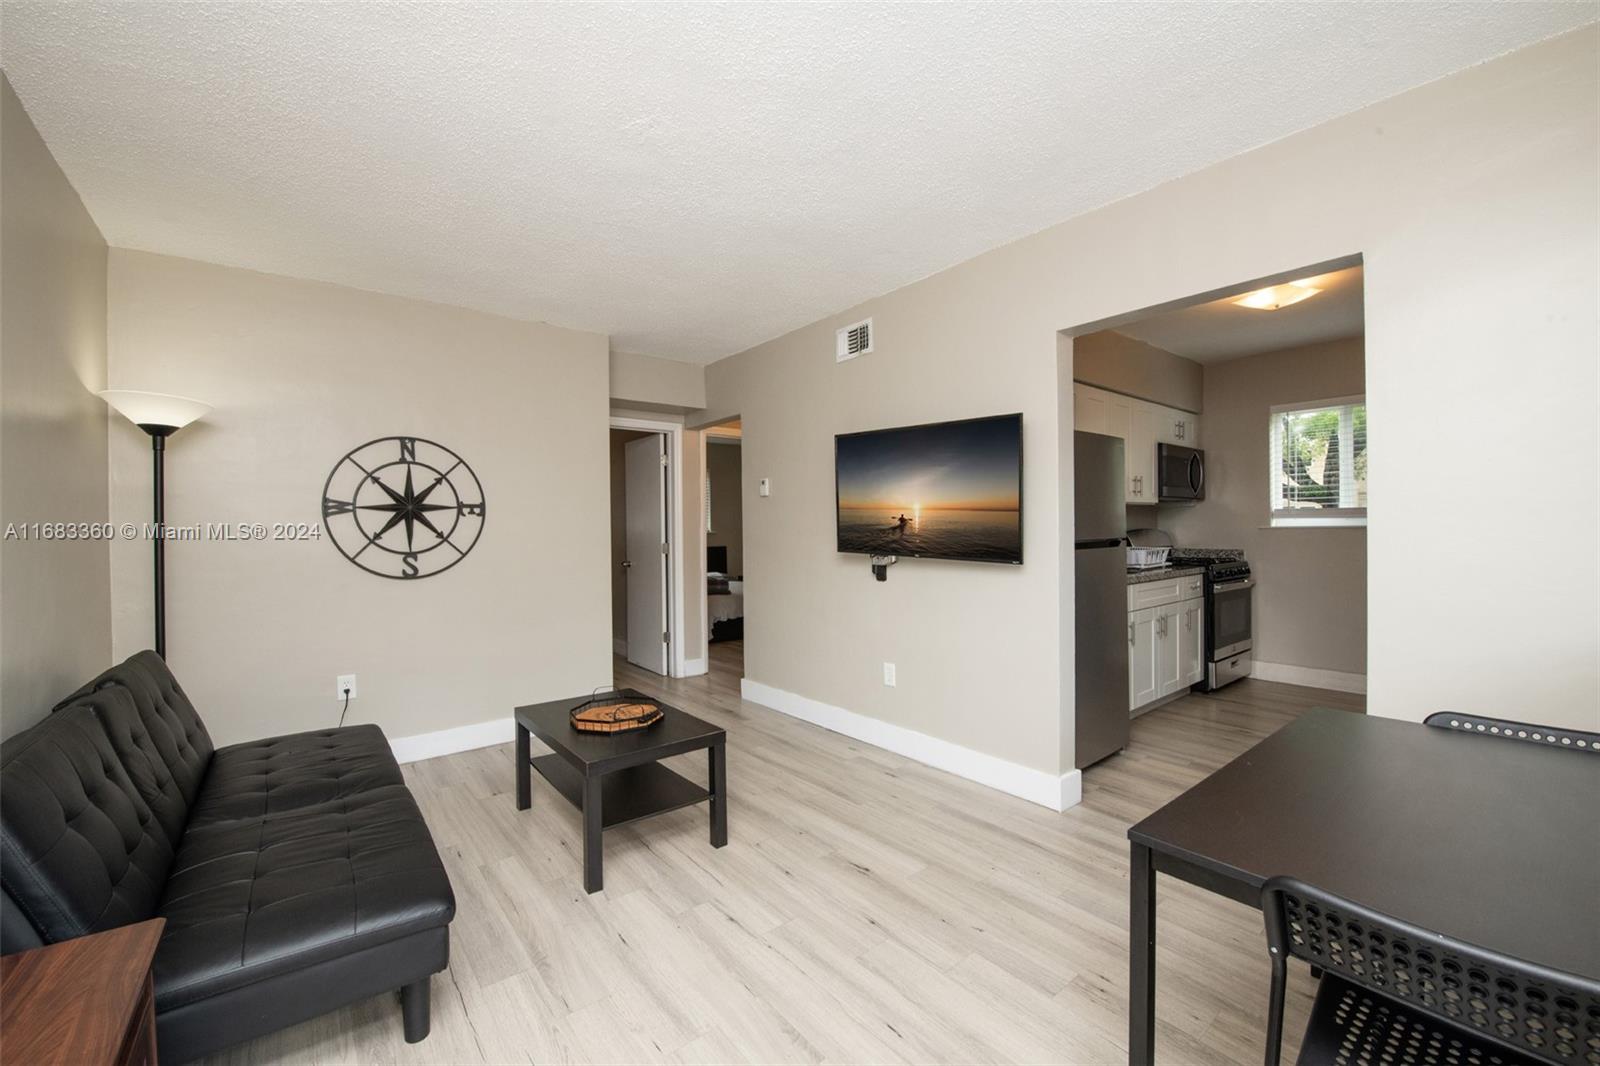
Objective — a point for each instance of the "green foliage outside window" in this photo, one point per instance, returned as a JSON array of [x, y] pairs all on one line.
[[1313, 450]]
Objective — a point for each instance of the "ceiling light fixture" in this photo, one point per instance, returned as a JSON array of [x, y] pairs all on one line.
[[1277, 296]]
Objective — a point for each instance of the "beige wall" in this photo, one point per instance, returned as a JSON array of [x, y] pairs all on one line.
[[974, 643], [1466, 197], [1122, 364], [55, 603], [658, 383], [1311, 591], [300, 373], [692, 534], [727, 506]]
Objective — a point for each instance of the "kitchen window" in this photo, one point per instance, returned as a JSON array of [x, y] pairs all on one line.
[[1318, 464]]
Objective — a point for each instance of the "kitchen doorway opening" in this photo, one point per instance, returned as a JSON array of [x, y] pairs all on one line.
[[1215, 459]]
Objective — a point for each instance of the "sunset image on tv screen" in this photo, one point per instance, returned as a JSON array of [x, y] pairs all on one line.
[[950, 490]]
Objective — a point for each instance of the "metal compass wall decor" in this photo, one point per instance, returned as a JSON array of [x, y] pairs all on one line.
[[403, 507]]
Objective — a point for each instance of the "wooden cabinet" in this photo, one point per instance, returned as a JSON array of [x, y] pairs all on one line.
[[1141, 425], [88, 1000], [1166, 638]]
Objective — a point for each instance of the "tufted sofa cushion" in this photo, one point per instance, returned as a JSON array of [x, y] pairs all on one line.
[[249, 900], [169, 728], [143, 753], [80, 850], [279, 774]]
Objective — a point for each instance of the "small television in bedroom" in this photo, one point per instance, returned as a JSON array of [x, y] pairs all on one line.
[[946, 490]]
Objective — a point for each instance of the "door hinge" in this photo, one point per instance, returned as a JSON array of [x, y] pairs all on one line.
[[663, 636], [664, 548], [663, 460]]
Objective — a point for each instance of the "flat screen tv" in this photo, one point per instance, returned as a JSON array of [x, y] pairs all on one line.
[[946, 490]]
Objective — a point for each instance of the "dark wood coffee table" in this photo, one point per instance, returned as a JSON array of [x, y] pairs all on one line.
[[616, 778]]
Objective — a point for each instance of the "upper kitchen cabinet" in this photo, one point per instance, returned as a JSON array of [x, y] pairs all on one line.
[[1177, 427], [1142, 425], [1097, 411]]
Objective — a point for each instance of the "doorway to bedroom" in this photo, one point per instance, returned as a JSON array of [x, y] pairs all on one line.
[[652, 529], [724, 539]]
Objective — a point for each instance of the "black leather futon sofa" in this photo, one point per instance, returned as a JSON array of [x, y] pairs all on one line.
[[296, 873]]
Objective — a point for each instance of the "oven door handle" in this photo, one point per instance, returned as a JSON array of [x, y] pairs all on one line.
[[1235, 586]]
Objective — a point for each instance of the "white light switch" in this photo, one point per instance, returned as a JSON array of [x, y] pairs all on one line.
[[766, 487], [888, 674]]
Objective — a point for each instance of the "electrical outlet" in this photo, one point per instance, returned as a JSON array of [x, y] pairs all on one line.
[[888, 674], [346, 682]]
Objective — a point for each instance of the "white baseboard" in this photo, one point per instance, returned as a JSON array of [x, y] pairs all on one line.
[[619, 646], [1058, 792], [449, 741], [1309, 676], [694, 667]]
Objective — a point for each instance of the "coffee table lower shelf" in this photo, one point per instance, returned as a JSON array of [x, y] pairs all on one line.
[[625, 795]]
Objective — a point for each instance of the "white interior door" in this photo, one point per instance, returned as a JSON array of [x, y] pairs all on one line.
[[646, 562]]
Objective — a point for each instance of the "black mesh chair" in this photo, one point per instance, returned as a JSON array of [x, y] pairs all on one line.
[[1392, 994], [1478, 725]]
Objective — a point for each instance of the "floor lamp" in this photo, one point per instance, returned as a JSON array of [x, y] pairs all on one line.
[[160, 416]]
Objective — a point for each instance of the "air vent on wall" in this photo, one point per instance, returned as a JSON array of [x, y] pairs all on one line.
[[852, 341]]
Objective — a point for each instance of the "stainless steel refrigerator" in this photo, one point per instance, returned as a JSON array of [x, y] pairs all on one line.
[[1101, 607]]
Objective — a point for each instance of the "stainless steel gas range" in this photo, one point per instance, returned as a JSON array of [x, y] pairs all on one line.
[[1229, 622]]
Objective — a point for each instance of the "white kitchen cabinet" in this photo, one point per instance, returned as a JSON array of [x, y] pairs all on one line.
[[1169, 667], [1097, 411], [1143, 684], [1177, 427], [1166, 639], [1191, 643], [1141, 425], [1140, 454]]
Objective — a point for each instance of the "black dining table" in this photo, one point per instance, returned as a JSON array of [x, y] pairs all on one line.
[[1489, 840]]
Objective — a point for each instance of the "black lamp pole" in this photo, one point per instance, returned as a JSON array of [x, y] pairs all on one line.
[[158, 449], [160, 416]]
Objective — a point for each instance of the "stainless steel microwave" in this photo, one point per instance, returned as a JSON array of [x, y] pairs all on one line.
[[1180, 473]]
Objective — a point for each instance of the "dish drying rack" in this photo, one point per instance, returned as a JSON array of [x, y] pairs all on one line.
[[1147, 558]]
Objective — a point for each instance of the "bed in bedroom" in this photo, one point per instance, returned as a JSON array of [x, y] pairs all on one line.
[[724, 597]]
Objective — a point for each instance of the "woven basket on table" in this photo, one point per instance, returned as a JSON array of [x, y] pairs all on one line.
[[614, 714]]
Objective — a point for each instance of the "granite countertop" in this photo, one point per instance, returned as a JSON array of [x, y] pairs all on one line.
[[1217, 555], [1162, 573]]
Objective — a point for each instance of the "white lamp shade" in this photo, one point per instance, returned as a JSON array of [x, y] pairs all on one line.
[[154, 408]]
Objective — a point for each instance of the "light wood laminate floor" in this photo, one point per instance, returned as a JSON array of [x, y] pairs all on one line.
[[866, 909]]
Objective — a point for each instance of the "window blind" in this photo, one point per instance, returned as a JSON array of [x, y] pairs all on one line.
[[1317, 466]]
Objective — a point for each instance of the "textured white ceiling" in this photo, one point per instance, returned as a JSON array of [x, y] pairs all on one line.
[[1220, 330], [692, 179]]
